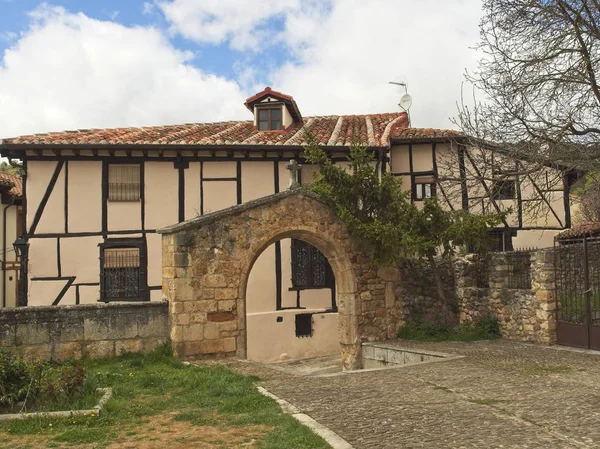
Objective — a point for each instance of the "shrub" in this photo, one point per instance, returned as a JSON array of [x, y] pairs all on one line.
[[437, 329], [37, 382]]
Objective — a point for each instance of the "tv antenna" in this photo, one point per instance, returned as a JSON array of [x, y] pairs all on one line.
[[406, 100]]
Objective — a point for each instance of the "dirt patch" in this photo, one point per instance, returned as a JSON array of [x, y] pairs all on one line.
[[158, 432]]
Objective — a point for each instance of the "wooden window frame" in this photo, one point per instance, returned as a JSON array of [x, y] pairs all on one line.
[[126, 243], [311, 285], [418, 185], [135, 198], [270, 108]]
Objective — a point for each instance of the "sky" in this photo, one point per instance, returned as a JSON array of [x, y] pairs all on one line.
[[73, 64]]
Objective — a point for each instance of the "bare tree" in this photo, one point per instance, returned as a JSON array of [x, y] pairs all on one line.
[[539, 76]]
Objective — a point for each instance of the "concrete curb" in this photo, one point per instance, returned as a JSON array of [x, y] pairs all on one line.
[[334, 440], [63, 414]]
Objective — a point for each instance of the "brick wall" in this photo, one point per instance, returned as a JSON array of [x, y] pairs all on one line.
[[95, 330]]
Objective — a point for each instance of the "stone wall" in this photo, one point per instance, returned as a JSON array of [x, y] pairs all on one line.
[[417, 293], [95, 330], [524, 314], [206, 263]]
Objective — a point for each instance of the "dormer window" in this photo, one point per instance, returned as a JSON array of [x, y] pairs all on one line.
[[273, 111], [269, 119]]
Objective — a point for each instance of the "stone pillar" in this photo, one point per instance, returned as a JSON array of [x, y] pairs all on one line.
[[543, 286]]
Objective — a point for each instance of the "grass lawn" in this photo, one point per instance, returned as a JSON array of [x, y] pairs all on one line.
[[159, 401]]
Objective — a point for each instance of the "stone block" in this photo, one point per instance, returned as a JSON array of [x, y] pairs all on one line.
[[226, 326], [181, 319], [97, 349], [211, 331], [31, 334], [214, 280], [366, 296], [211, 346], [150, 344], [180, 259], [193, 332], [125, 346], [226, 293], [226, 305], [65, 351], [219, 317], [36, 352], [154, 327], [201, 306], [103, 327], [190, 349], [176, 333], [229, 344]]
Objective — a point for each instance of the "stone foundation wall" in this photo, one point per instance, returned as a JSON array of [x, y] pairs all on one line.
[[417, 292], [95, 330], [524, 314]]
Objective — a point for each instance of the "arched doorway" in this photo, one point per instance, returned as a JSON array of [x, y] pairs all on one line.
[[207, 262], [291, 307]]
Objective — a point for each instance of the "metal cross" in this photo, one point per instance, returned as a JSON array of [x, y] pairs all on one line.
[[294, 169]]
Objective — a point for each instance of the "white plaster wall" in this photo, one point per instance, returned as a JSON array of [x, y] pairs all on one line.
[[270, 341], [219, 170], [85, 196], [80, 257], [124, 215], [42, 293], [257, 180], [154, 246], [422, 157], [534, 239], [38, 178], [399, 159], [161, 195], [42, 258], [88, 294], [219, 195], [261, 293]]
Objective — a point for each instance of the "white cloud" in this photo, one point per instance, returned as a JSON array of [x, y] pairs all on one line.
[[70, 71], [242, 23], [344, 52], [346, 65]]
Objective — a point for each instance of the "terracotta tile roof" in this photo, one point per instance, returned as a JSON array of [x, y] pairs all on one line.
[[425, 133], [583, 230], [12, 182], [373, 129]]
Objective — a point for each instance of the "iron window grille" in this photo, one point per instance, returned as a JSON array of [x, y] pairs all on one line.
[[269, 119], [518, 265], [310, 268], [123, 275], [124, 182]]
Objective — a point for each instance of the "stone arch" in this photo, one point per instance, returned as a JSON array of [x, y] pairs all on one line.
[[207, 262]]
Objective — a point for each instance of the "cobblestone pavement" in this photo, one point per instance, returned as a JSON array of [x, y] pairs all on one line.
[[500, 395]]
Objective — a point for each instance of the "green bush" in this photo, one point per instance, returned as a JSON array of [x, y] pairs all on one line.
[[437, 329], [37, 384]]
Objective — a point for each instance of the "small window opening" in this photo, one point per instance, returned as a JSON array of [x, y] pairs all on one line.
[[310, 268], [269, 119], [124, 182], [304, 325], [423, 188]]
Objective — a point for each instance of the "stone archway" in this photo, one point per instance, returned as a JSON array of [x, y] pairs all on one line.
[[207, 261]]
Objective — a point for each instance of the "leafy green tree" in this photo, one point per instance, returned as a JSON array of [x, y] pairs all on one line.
[[380, 214], [12, 167]]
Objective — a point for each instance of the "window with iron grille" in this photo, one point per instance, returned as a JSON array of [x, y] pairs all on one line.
[[310, 268], [269, 119], [124, 182], [123, 271]]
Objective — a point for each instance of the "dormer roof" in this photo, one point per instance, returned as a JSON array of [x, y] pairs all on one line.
[[288, 100]]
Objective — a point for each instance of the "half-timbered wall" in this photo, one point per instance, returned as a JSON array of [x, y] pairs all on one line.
[[69, 217], [463, 178]]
